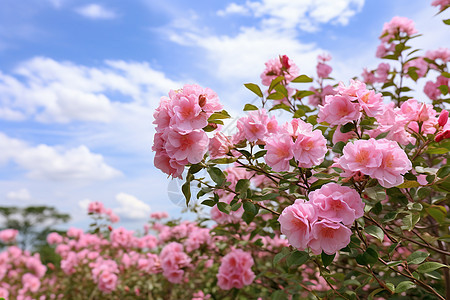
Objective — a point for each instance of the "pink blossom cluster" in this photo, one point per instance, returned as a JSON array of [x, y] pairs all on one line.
[[398, 26], [444, 127], [173, 260], [297, 140], [281, 66], [8, 235], [320, 94], [322, 223], [379, 75], [104, 273], [255, 127], [235, 270], [347, 105], [381, 159], [179, 139], [23, 270], [323, 69], [97, 208], [399, 122], [443, 4], [431, 88]]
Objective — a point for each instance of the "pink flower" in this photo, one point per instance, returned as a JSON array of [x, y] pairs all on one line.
[[431, 90], [235, 270], [397, 25], [323, 70], [8, 235], [168, 165], [219, 145], [31, 282], [329, 237], [173, 259], [191, 146], [310, 149], [442, 3], [337, 203], [371, 103], [107, 282], [295, 222], [442, 53], [120, 237], [420, 64], [443, 118], [381, 159], [54, 238], [368, 76], [338, 110], [159, 215], [279, 152], [382, 72], [96, 208], [256, 126], [277, 67]]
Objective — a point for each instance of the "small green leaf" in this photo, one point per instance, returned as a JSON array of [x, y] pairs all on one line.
[[375, 231], [186, 189], [224, 207], [403, 286], [327, 259], [446, 22], [250, 107], [417, 257], [347, 127], [429, 267], [337, 148], [297, 258], [254, 88], [408, 184], [236, 206], [444, 171], [216, 175], [209, 202], [285, 252], [275, 82], [302, 78], [437, 212]]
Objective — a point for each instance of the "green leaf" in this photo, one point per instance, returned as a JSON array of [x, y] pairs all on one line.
[[242, 186], [276, 96], [302, 94], [250, 107], [254, 88], [224, 160], [429, 267], [437, 212], [209, 202], [186, 189], [327, 259], [446, 22], [275, 82], [217, 175], [260, 154], [285, 252], [370, 256], [375, 231], [299, 113], [403, 286], [250, 211], [280, 106], [337, 148], [436, 150], [302, 78], [224, 207], [297, 258], [408, 184], [219, 115], [236, 206], [382, 135], [417, 257], [410, 221], [347, 127], [444, 171]]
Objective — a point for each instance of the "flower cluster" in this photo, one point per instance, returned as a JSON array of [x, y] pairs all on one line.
[[235, 270], [322, 223], [282, 66], [180, 118], [297, 140]]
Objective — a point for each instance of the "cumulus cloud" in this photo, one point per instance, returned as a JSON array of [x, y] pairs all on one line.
[[303, 14], [55, 163], [131, 207], [51, 91], [96, 12], [19, 195]]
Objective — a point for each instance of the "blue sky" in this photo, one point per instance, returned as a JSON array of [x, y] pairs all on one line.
[[79, 81]]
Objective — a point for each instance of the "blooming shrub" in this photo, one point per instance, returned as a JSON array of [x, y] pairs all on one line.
[[347, 200]]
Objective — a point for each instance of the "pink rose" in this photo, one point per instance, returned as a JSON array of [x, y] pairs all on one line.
[[235, 270], [279, 152], [338, 110], [329, 237], [337, 203], [295, 222]]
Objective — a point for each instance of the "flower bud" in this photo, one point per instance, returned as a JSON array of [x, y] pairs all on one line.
[[201, 100], [443, 118]]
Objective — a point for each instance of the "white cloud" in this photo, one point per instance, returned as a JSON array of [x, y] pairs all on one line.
[[84, 204], [96, 12], [233, 8], [55, 163], [131, 207], [304, 14], [19, 195], [50, 91]]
